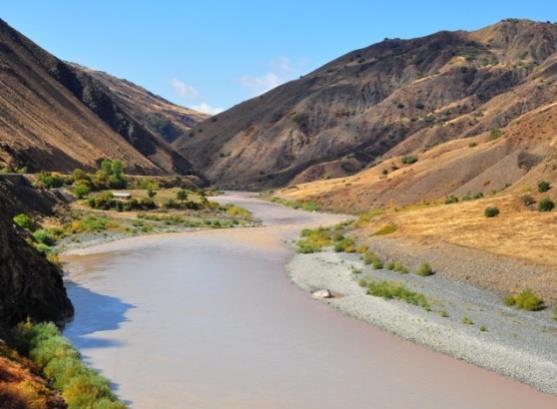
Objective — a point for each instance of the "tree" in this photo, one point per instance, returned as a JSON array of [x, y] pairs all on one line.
[[117, 168], [151, 192]]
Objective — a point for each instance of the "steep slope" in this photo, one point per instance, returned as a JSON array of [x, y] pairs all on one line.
[[523, 153], [55, 117], [30, 286], [392, 98], [20, 385], [154, 113]]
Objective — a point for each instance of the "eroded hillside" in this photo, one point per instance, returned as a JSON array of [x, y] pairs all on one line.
[[393, 98], [54, 116]]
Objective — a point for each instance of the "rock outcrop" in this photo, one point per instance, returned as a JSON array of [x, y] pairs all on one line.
[[30, 286]]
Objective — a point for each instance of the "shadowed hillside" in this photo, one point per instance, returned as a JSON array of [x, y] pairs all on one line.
[[157, 115], [54, 116]]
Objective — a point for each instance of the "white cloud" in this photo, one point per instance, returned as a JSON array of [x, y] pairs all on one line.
[[280, 70], [207, 109], [184, 90], [191, 95], [259, 85]]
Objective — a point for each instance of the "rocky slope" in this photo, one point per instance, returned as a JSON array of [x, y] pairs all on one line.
[[55, 116], [392, 98], [30, 286], [154, 113]]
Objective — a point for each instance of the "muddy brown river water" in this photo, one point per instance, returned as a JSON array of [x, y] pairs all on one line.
[[210, 320]]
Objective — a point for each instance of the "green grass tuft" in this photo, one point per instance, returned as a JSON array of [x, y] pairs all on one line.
[[424, 270], [391, 290], [467, 321], [388, 229], [526, 300]]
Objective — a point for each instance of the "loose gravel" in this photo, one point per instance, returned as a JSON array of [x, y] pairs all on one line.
[[515, 343]]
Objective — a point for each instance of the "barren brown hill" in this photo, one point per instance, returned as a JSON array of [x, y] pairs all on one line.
[[56, 117], [157, 115], [393, 98]]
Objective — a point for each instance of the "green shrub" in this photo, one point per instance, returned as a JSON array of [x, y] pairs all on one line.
[[491, 211], [391, 265], [546, 205], [483, 328], [495, 133], [44, 236], [399, 267], [543, 186], [45, 249], [444, 314], [310, 206], [525, 300], [467, 321], [424, 270], [80, 386], [377, 264], [389, 290], [103, 201], [555, 313], [25, 222], [148, 184], [81, 189], [88, 224], [237, 211], [50, 180], [314, 240], [181, 195], [345, 245], [409, 159], [451, 199]]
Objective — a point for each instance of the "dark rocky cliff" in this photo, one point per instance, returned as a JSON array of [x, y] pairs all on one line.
[[30, 286]]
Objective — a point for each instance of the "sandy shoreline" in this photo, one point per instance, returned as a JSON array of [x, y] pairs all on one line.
[[521, 345]]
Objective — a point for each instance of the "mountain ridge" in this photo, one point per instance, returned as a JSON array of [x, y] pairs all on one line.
[[394, 97], [55, 117]]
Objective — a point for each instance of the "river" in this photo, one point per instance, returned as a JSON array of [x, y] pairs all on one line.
[[210, 320]]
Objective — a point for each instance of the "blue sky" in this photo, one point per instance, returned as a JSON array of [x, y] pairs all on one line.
[[214, 54]]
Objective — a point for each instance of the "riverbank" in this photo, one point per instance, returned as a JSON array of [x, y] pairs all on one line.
[[464, 321], [237, 333]]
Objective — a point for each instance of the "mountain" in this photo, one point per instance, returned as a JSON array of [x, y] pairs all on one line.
[[56, 116], [154, 113], [394, 98]]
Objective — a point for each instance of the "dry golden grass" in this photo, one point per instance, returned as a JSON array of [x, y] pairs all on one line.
[[516, 232]]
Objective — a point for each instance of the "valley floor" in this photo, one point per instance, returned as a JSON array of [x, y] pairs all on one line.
[[463, 321]]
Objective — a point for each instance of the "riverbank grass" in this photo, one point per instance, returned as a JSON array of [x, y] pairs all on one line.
[[80, 386], [391, 290], [525, 300]]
